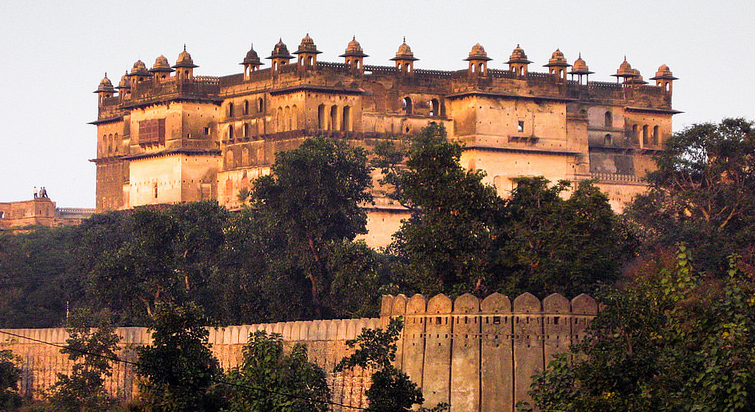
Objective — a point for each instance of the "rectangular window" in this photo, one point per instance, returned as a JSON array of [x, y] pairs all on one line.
[[152, 132], [520, 126]]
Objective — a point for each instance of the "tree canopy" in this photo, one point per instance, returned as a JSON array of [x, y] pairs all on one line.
[[703, 193]]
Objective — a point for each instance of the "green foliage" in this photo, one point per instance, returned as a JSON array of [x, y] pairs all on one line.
[[91, 345], [269, 380], [179, 369], [447, 241], [548, 244], [703, 193], [669, 341], [10, 374], [37, 277], [311, 198]]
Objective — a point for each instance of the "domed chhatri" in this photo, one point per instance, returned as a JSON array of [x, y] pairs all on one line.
[[280, 51], [139, 69], [580, 66], [307, 45], [518, 62], [354, 49], [518, 56], [557, 60], [404, 53], [625, 70], [161, 65], [124, 84], [405, 58], [664, 78], [478, 53], [251, 57], [184, 60], [105, 86]]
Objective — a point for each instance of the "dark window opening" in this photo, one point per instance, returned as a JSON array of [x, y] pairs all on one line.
[[520, 126]]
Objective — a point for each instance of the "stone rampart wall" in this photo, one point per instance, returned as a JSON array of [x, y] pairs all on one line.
[[477, 355]]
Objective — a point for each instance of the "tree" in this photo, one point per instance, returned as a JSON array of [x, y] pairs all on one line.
[[547, 244], [312, 197], [703, 193], [673, 340], [270, 380], [446, 243], [10, 374], [92, 346], [179, 369]]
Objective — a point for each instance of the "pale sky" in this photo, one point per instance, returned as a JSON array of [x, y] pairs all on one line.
[[53, 55]]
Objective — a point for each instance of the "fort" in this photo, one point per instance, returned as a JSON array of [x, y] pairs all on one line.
[[166, 135], [40, 211], [477, 355]]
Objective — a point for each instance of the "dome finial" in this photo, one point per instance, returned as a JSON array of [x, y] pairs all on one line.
[[404, 39], [184, 46]]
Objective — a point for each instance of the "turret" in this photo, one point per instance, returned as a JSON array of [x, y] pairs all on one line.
[[557, 66], [580, 69], [354, 56], [161, 69], [478, 61], [139, 73], [185, 66], [405, 58], [307, 53], [279, 56], [251, 63], [625, 72], [518, 62], [104, 90], [665, 79], [124, 88]]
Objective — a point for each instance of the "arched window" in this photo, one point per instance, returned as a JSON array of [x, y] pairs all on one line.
[[656, 141], [294, 118], [230, 132], [247, 130], [434, 108], [260, 105], [406, 106], [607, 140], [154, 187], [333, 118], [321, 117], [229, 164], [608, 119], [645, 136], [230, 109], [635, 137], [246, 107], [346, 122], [245, 156], [287, 118]]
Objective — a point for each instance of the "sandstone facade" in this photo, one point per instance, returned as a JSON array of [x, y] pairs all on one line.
[[165, 135]]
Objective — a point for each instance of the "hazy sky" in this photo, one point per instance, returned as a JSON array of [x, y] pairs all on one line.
[[53, 55]]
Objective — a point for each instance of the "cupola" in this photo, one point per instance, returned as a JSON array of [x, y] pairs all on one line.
[[185, 66], [625, 72], [307, 53], [405, 58], [580, 69], [280, 55], [161, 69], [104, 90], [478, 60], [557, 66], [354, 56], [518, 62], [124, 87], [637, 79], [251, 63], [139, 73], [664, 78]]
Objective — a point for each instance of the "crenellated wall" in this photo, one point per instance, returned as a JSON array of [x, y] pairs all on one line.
[[477, 355]]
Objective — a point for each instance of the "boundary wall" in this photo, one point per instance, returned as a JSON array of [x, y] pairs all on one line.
[[477, 355]]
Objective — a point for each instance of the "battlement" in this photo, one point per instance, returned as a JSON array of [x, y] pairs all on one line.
[[476, 354]]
